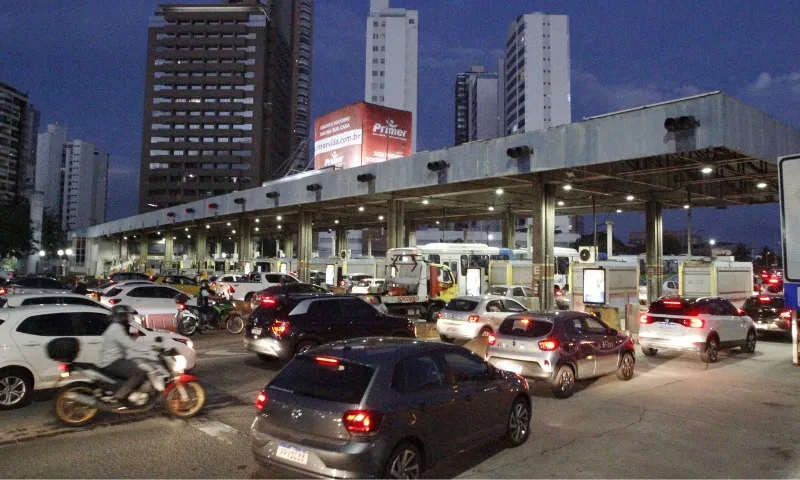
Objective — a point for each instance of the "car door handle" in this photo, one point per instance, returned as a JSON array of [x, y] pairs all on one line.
[[490, 389], [95, 343], [31, 344]]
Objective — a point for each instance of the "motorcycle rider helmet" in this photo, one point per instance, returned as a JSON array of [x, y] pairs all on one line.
[[121, 314], [204, 284]]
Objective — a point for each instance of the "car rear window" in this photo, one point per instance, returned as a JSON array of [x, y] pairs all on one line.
[[764, 301], [525, 327], [461, 305], [329, 379], [113, 292], [674, 306], [497, 291]]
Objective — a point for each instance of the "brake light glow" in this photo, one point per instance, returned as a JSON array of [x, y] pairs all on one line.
[[491, 339], [525, 321], [764, 299], [645, 319], [774, 281], [261, 400], [787, 314], [693, 322], [331, 362], [549, 344], [361, 422], [268, 301], [3, 291], [181, 307], [279, 327], [740, 311], [230, 289], [114, 301], [559, 293], [63, 367], [474, 318], [672, 303]]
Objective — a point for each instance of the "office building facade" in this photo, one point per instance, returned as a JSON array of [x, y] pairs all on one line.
[[84, 185], [218, 100], [19, 124], [534, 74], [49, 178], [391, 59], [476, 105]]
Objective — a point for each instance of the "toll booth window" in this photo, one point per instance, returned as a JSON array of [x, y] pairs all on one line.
[[562, 265], [464, 265], [479, 261], [434, 258]]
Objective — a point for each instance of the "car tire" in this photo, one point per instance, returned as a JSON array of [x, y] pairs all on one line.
[[649, 352], [711, 353], [16, 388], [519, 423], [447, 339], [563, 384], [750, 342], [432, 312], [626, 366], [303, 347], [266, 358], [485, 332], [405, 461]]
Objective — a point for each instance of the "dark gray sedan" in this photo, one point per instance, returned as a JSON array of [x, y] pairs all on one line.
[[560, 347], [385, 407]]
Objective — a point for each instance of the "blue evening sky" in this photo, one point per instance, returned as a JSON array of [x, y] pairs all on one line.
[[83, 64]]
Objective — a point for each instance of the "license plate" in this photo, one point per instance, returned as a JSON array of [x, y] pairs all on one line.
[[761, 326], [510, 367], [293, 454], [668, 324], [256, 331]]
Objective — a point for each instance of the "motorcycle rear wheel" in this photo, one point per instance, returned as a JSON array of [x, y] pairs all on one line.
[[71, 412], [187, 326], [186, 408], [234, 323]]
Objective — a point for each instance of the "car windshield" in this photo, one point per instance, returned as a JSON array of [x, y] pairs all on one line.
[[461, 305], [497, 291], [525, 327], [328, 379], [764, 301]]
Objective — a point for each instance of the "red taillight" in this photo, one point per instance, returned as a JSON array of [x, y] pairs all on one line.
[[549, 344], [438, 315], [181, 307], [774, 281], [672, 303], [491, 339], [559, 293], [525, 321], [341, 283], [361, 422], [268, 301], [230, 289], [3, 291], [214, 284], [474, 318], [63, 367], [740, 311], [114, 301], [694, 322], [764, 299], [787, 314], [645, 319], [261, 400], [331, 362], [279, 327]]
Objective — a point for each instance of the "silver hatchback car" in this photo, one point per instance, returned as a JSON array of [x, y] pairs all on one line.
[[559, 348], [385, 407], [465, 318]]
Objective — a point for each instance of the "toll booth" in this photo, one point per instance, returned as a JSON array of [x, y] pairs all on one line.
[[607, 288], [732, 281]]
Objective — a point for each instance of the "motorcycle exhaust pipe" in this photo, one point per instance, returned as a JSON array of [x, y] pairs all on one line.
[[84, 399]]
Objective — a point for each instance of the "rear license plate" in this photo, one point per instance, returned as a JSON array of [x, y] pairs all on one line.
[[293, 454], [510, 367], [256, 331], [761, 326], [667, 324]]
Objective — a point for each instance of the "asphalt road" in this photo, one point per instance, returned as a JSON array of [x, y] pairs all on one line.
[[677, 417]]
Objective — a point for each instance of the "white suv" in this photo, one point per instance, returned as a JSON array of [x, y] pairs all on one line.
[[26, 331], [704, 325]]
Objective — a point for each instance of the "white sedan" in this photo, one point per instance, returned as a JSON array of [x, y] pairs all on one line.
[[154, 304], [26, 331]]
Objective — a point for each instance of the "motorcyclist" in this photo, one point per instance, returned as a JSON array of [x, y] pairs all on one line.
[[118, 349], [203, 297]]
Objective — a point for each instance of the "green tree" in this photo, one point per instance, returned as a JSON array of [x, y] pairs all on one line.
[[16, 234], [741, 253], [53, 237], [586, 240]]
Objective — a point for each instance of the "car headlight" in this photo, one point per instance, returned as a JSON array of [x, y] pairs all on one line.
[[180, 363]]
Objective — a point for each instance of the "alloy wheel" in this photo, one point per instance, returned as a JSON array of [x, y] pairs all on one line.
[[405, 465], [627, 366], [12, 390], [566, 380], [518, 422]]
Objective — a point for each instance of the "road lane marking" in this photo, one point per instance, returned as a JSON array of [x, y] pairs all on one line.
[[220, 431], [223, 353]]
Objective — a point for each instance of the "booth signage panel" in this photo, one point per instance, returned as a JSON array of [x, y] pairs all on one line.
[[788, 173]]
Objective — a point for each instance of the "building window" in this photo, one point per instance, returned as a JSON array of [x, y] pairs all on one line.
[[375, 48], [374, 73], [411, 21], [374, 24], [374, 98], [80, 251]]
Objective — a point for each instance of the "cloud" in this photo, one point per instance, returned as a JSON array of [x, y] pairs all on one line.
[[593, 97], [778, 95], [459, 57], [766, 84]]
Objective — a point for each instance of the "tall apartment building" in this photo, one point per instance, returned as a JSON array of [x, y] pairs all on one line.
[[476, 105], [218, 99], [72, 177], [391, 59], [84, 185], [19, 124], [534, 74]]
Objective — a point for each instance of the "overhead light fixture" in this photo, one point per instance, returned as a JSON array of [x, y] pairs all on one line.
[[619, 210], [629, 198], [761, 185], [686, 122], [174, 238], [258, 220], [365, 177], [567, 187], [519, 152], [491, 208], [62, 252], [273, 194], [186, 229], [213, 205], [686, 207], [239, 200], [499, 191], [437, 222], [153, 205], [279, 218], [189, 210], [426, 201], [706, 170], [256, 229], [380, 217], [314, 187], [336, 222], [158, 233], [437, 166], [228, 224], [712, 242], [233, 232], [188, 236], [561, 203], [360, 209], [280, 227], [208, 226]]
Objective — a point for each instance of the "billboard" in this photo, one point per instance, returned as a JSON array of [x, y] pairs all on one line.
[[361, 134]]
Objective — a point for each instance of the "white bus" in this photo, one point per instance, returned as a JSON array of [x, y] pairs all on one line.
[[564, 258]]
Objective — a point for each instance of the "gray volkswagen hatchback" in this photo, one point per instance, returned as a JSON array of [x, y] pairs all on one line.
[[385, 407]]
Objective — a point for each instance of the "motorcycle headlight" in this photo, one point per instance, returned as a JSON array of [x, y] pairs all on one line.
[[180, 363], [137, 319]]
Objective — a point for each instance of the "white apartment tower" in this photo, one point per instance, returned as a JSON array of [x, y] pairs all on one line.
[[85, 185], [534, 74], [49, 167], [476, 105], [391, 60]]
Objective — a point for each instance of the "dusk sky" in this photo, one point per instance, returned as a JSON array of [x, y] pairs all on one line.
[[83, 65]]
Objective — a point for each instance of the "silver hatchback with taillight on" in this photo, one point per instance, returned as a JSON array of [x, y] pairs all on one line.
[[559, 348], [699, 324], [465, 318]]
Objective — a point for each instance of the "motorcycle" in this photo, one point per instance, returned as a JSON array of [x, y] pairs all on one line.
[[78, 403], [190, 320]]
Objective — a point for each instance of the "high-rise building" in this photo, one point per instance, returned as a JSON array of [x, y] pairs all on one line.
[[19, 123], [534, 74], [49, 176], [85, 182], [218, 98], [476, 105], [391, 59]]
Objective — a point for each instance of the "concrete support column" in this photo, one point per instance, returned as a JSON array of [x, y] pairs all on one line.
[[543, 233], [218, 248], [369, 243], [143, 243], [340, 242], [394, 224], [304, 244], [123, 250], [201, 249], [169, 246], [609, 239], [654, 245], [410, 233], [245, 240], [509, 229], [529, 233], [288, 245]]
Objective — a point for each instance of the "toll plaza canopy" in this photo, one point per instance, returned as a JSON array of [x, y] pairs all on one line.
[[708, 150]]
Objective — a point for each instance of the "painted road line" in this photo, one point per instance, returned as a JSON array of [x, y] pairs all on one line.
[[220, 431]]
